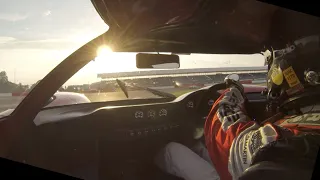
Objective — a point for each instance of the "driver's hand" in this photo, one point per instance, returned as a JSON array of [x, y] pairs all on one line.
[[235, 84]]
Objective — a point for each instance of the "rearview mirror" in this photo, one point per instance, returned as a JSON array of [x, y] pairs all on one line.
[[157, 61]]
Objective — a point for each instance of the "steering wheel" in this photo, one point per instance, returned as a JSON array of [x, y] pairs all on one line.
[[229, 79], [199, 120], [232, 79], [213, 89]]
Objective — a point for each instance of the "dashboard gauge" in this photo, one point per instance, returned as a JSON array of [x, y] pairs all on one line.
[[146, 131], [190, 104], [138, 114], [210, 102], [151, 114], [131, 133], [163, 112]]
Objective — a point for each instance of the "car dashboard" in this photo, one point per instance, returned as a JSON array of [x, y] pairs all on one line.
[[109, 139], [145, 118]]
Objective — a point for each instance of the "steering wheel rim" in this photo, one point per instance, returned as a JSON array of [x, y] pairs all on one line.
[[213, 88]]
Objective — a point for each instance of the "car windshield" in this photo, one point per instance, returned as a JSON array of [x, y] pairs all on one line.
[[37, 38], [99, 80]]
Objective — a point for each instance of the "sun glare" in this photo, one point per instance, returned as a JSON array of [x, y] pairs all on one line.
[[109, 61], [104, 51]]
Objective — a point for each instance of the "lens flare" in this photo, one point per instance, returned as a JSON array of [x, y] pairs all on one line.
[[104, 51]]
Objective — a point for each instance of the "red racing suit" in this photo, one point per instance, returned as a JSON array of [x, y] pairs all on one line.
[[232, 138]]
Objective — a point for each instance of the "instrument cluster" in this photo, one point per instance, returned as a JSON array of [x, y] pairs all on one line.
[[149, 121], [151, 113]]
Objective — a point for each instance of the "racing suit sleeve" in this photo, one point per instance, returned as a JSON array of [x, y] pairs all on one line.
[[231, 136]]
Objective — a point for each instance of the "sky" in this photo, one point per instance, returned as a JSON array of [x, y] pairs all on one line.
[[36, 35]]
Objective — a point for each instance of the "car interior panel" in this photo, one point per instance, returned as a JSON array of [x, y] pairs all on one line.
[[107, 140], [112, 127]]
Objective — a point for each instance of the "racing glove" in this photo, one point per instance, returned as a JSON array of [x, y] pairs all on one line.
[[230, 83]]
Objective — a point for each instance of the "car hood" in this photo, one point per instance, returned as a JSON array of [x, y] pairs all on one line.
[[59, 99], [230, 26]]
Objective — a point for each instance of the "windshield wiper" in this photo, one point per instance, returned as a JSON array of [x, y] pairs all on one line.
[[123, 87], [153, 91]]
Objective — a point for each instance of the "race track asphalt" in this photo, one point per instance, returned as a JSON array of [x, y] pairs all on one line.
[[8, 102]]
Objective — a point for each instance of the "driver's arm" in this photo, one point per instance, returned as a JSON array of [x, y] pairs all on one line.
[[228, 112], [231, 136]]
